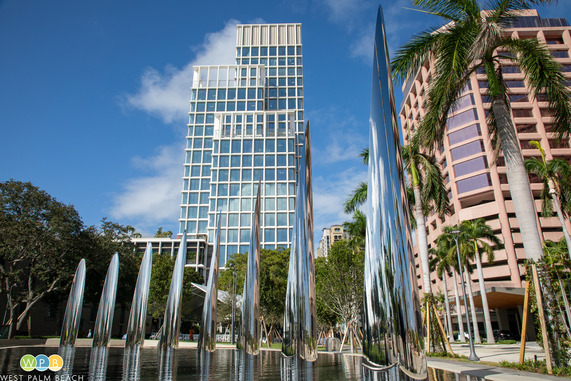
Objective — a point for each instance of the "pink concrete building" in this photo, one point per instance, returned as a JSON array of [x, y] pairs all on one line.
[[478, 189]]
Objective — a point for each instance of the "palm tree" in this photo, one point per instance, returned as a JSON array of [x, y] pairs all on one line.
[[442, 262], [429, 193], [357, 229], [472, 40], [466, 253], [555, 174], [481, 235], [359, 195]]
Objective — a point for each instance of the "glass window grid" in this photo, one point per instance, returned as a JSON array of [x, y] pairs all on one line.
[[293, 86]]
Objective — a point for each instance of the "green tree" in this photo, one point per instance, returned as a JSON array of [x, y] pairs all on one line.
[[161, 276], [99, 244], [556, 262], [357, 229], [274, 266], [442, 262], [556, 177], [483, 239], [39, 247], [359, 195], [339, 282], [466, 248], [471, 41], [163, 234]]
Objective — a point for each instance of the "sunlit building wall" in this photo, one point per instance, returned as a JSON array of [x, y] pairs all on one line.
[[477, 188]]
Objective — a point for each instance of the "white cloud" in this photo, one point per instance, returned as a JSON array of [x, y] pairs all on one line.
[[362, 47], [154, 199], [166, 94]]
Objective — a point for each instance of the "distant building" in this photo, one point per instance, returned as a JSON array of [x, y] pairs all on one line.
[[329, 237]]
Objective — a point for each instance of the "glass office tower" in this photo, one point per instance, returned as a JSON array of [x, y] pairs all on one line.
[[242, 129]]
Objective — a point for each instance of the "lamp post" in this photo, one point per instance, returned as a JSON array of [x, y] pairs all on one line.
[[233, 304], [472, 356]]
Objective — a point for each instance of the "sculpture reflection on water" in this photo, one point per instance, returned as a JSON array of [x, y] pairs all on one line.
[[138, 314], [300, 318], [171, 322], [249, 337], [207, 336], [72, 317], [392, 342], [104, 320], [392, 317]]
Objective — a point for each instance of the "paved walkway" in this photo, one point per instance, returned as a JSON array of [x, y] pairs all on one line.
[[487, 372], [492, 353], [501, 352]]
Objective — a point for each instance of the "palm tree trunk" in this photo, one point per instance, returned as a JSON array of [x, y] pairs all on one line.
[[555, 199], [477, 339], [422, 240], [462, 337], [518, 181], [447, 303], [487, 319]]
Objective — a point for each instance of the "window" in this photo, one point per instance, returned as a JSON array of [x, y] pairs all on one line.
[[560, 54], [466, 150], [525, 128], [473, 183], [462, 118], [470, 166], [464, 134], [518, 98], [515, 84], [522, 113]]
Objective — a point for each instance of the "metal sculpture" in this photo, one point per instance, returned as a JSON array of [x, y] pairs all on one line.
[[207, 336], [300, 322], [249, 338], [72, 317], [392, 318], [171, 325], [106, 310], [138, 314]]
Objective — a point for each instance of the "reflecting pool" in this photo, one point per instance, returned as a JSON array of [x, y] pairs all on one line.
[[190, 364]]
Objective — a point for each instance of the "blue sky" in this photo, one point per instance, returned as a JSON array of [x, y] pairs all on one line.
[[94, 95]]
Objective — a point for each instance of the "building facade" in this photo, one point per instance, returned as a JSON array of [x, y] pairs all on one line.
[[479, 189], [329, 237], [242, 129]]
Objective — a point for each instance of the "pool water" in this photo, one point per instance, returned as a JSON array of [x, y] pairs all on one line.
[[190, 364]]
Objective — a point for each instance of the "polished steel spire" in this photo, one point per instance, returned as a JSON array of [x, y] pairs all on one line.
[[72, 317], [171, 325], [392, 316], [104, 320], [138, 315], [207, 337], [249, 338], [300, 322]]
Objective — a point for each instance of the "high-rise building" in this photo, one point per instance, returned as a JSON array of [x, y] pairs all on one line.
[[242, 129], [329, 237], [477, 188]]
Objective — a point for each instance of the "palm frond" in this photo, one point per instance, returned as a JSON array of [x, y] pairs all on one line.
[[543, 75], [413, 54], [357, 198]]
